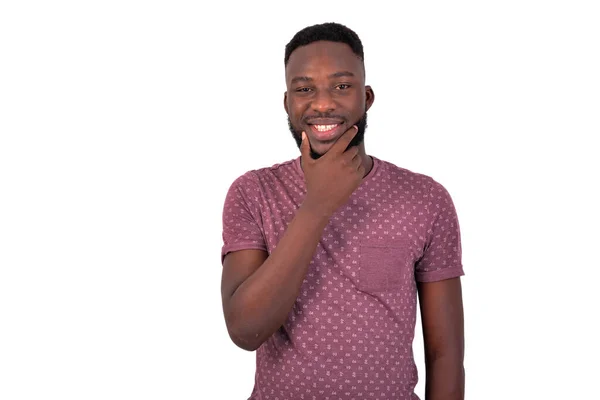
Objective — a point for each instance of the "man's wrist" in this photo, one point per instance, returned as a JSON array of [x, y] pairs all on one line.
[[314, 213]]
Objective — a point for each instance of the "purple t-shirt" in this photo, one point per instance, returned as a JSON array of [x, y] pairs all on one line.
[[349, 334]]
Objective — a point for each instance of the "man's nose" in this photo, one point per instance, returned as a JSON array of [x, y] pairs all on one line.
[[323, 102]]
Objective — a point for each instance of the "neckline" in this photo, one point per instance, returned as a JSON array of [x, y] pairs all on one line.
[[372, 172]]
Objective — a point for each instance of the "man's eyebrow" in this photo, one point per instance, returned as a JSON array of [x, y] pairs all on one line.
[[340, 74], [301, 79]]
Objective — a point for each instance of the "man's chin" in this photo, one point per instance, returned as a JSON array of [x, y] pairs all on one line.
[[320, 149], [315, 156]]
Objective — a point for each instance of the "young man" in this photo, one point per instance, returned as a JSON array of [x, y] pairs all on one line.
[[324, 255]]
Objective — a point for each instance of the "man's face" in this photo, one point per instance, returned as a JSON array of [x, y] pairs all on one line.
[[326, 94]]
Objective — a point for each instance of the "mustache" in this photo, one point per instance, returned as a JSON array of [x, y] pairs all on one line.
[[307, 120]]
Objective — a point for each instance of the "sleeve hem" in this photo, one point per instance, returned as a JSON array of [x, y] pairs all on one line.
[[240, 246], [439, 275]]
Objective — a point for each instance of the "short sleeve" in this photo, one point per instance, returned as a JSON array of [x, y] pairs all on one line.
[[242, 223], [442, 257]]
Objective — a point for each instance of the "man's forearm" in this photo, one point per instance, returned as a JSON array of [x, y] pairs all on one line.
[[260, 305], [445, 379]]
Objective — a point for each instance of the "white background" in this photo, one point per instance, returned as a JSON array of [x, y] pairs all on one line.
[[123, 123]]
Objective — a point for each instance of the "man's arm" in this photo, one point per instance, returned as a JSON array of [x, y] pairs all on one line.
[[259, 290], [443, 334]]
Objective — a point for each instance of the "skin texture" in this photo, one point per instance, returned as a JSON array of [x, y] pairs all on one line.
[[443, 335], [326, 84], [326, 81]]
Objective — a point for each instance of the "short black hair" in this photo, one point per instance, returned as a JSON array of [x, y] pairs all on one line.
[[329, 31]]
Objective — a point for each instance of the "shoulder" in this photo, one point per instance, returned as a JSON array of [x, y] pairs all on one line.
[[418, 186], [263, 177], [399, 176]]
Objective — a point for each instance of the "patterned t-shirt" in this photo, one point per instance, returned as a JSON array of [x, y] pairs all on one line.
[[349, 334]]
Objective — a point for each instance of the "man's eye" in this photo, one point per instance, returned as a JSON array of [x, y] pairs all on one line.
[[303, 90], [343, 86]]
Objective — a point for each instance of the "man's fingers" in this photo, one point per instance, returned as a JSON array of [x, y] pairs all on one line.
[[342, 143], [305, 147]]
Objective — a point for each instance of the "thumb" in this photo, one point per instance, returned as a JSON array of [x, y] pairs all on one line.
[[305, 147]]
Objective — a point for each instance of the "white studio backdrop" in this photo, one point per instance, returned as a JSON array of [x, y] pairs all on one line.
[[123, 123]]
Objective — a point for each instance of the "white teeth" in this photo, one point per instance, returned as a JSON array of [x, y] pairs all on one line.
[[323, 128]]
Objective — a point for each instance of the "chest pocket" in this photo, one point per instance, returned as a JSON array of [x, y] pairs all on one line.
[[384, 266]]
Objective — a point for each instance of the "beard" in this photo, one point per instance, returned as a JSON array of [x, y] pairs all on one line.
[[356, 140]]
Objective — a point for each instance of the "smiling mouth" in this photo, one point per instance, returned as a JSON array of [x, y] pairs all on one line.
[[325, 128], [325, 132]]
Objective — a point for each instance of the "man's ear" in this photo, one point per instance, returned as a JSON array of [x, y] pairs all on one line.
[[370, 97], [285, 102]]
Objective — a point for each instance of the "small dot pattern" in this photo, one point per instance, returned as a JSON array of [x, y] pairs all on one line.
[[349, 334]]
